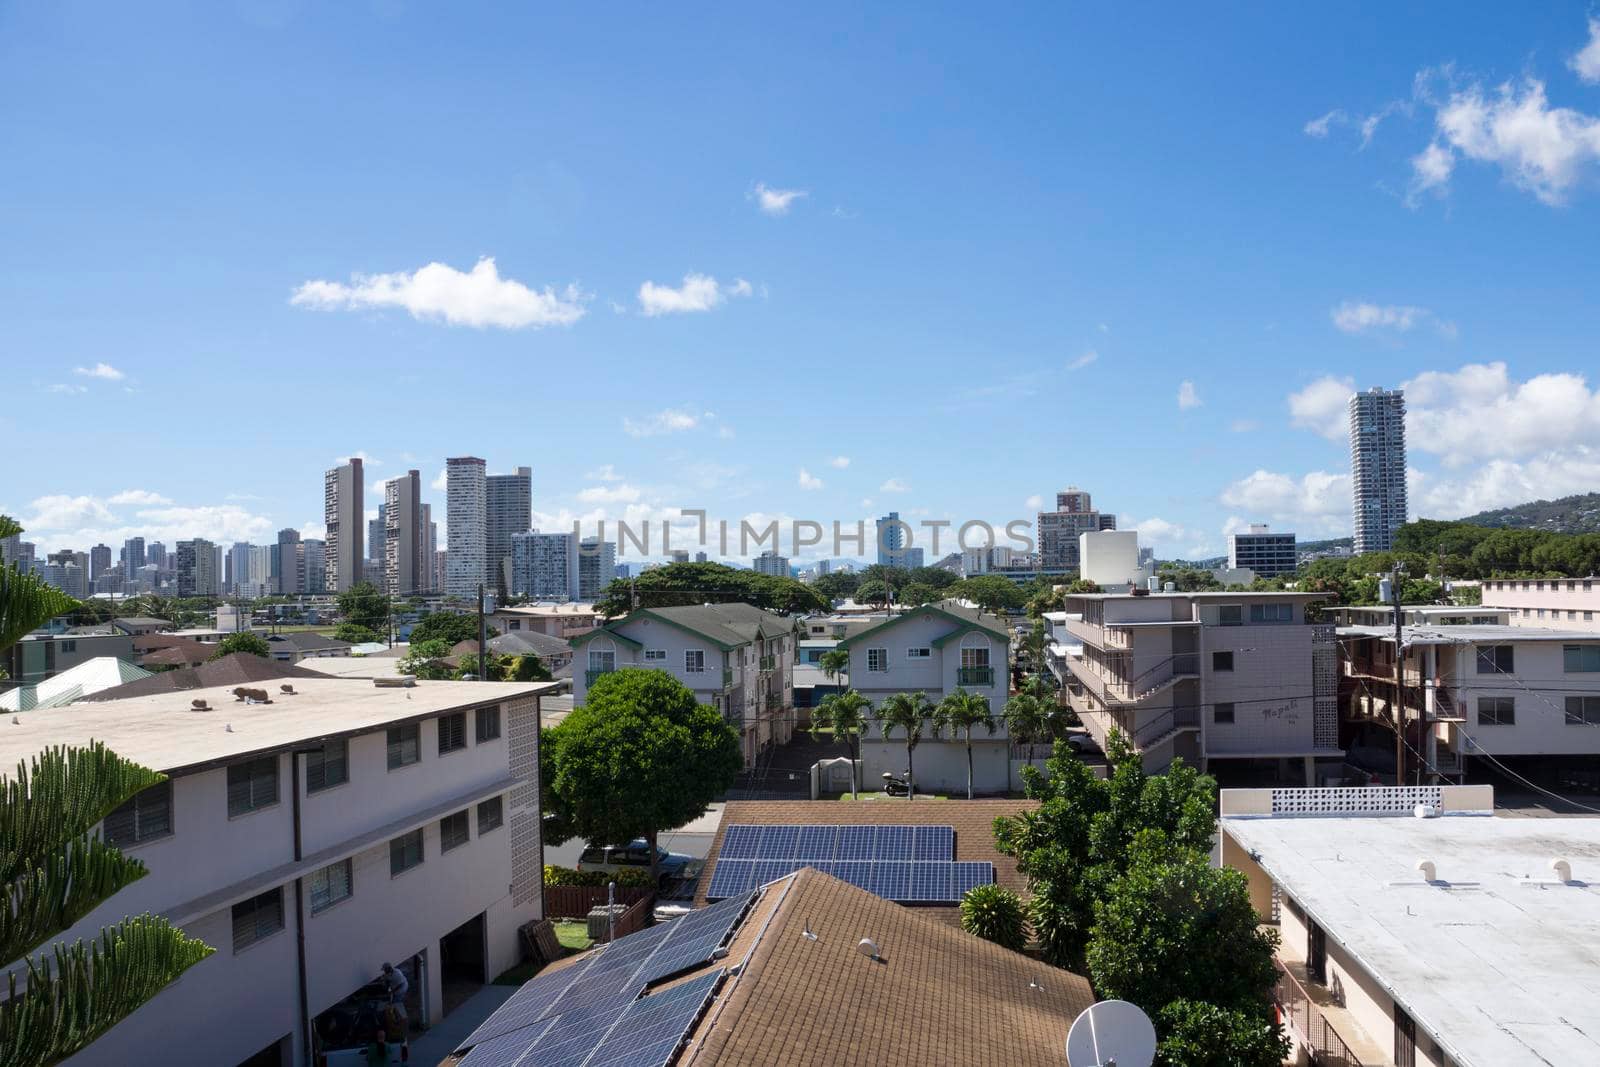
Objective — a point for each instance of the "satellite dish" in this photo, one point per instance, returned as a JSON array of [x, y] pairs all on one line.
[[1112, 1033]]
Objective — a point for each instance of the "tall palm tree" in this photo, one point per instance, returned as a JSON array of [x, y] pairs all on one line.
[[959, 712], [1027, 718], [908, 712], [846, 715], [835, 663]]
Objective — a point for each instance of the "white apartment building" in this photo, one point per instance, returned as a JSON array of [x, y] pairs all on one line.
[[508, 511], [405, 559], [466, 529], [564, 619], [935, 649], [1220, 679], [1559, 603], [1481, 691], [1377, 467], [545, 565], [737, 658], [771, 562], [597, 566], [1421, 615], [1456, 939], [1266, 553], [309, 841], [343, 512]]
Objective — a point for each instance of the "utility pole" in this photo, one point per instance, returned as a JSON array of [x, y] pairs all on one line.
[[1399, 681], [482, 636]]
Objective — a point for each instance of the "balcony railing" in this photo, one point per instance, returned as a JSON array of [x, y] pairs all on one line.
[[1144, 731], [733, 713], [1089, 633], [768, 663], [974, 675], [727, 677], [1310, 1027], [589, 676]]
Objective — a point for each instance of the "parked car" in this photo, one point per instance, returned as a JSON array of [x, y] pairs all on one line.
[[634, 855]]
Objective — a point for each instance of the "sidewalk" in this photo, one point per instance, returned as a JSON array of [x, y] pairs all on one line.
[[442, 1040]]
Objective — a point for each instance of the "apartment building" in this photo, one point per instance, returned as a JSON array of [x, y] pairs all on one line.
[[1455, 939], [466, 529], [405, 559], [545, 565], [197, 568], [1558, 603], [737, 658], [1421, 615], [508, 511], [309, 841], [597, 566], [1234, 682], [1268, 554], [564, 620], [1525, 695], [772, 563], [934, 649], [343, 512], [1059, 530], [1377, 467]]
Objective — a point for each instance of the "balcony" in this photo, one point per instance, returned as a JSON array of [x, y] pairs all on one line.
[[733, 713], [1117, 637], [975, 676], [768, 663], [727, 677], [1303, 1018], [589, 676]]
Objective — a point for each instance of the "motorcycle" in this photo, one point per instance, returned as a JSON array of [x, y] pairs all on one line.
[[896, 787]]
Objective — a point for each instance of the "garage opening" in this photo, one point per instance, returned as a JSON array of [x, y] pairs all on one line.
[[462, 962]]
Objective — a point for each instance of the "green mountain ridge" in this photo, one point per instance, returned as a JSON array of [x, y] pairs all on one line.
[[1569, 514]]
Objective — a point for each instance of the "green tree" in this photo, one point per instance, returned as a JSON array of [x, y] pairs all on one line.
[[915, 594], [991, 592], [26, 601], [450, 627], [872, 591], [845, 715], [243, 641], [1198, 1034], [364, 604], [960, 712], [356, 634], [1027, 716], [836, 585], [995, 913], [835, 663], [701, 583], [1079, 586], [907, 712], [640, 756], [56, 869], [527, 667], [428, 660]]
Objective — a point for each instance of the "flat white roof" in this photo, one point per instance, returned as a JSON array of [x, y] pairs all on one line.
[[161, 731], [1499, 973], [1467, 635]]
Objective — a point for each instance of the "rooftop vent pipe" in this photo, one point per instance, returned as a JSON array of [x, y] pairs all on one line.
[[1562, 868], [1429, 872]]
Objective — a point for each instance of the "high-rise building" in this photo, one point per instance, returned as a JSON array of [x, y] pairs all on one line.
[[405, 558], [678, 555], [342, 512], [316, 566], [377, 535], [508, 511], [891, 540], [99, 560], [431, 581], [237, 577], [132, 555], [544, 566], [441, 560], [10, 550], [157, 554], [1377, 467], [913, 558], [1058, 530], [699, 557], [769, 562], [288, 564], [597, 566], [466, 530], [196, 567], [1268, 554]]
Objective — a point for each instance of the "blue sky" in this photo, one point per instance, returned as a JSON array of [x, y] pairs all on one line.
[[1015, 234]]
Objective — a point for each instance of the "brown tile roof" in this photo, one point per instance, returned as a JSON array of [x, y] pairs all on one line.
[[238, 668], [182, 654], [937, 998], [973, 821]]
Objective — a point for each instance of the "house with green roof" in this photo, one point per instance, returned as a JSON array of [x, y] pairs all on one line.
[[736, 657]]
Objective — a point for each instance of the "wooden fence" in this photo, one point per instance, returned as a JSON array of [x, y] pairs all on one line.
[[576, 901]]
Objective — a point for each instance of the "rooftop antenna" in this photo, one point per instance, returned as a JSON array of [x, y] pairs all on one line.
[[806, 933], [1112, 1033]]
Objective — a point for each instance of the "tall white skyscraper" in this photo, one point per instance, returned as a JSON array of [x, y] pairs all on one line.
[[430, 548], [238, 568], [405, 558], [508, 511], [1377, 467], [466, 553], [132, 555], [344, 515], [597, 565], [545, 566]]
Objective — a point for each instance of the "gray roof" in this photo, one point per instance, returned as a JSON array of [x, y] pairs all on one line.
[[306, 641], [237, 668], [140, 620], [951, 609], [518, 642], [726, 624]]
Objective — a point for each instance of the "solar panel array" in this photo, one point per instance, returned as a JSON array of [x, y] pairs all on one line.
[[593, 1012], [905, 864]]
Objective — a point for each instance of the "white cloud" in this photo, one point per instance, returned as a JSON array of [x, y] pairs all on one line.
[[672, 420], [138, 496], [1479, 412], [1501, 483], [64, 387], [609, 494], [775, 201], [441, 481], [63, 521], [606, 473], [894, 485], [1360, 317], [1155, 531], [1188, 396], [366, 460], [1318, 127], [104, 371], [1318, 502], [1587, 62], [726, 433], [1034, 502], [440, 293], [1368, 125], [1083, 361], [1324, 406], [866, 501], [809, 480], [699, 292], [839, 462]]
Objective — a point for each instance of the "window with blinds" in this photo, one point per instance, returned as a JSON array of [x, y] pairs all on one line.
[[330, 885], [146, 816], [452, 733], [405, 852], [453, 831], [252, 785], [491, 814], [405, 745], [328, 766], [488, 724], [257, 918]]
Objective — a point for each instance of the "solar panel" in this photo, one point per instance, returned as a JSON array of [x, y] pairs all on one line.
[[507, 1049], [894, 880], [693, 939], [739, 843], [855, 842], [856, 872], [930, 883], [777, 842], [816, 843], [968, 875], [934, 843], [894, 843], [652, 1028], [731, 877], [753, 856], [527, 1005]]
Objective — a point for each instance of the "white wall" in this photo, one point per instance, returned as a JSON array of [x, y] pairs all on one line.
[[1538, 684], [1109, 557]]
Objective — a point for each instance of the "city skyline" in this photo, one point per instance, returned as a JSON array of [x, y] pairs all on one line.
[[1203, 315]]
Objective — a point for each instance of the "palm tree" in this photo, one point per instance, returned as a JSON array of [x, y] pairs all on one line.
[[906, 711], [845, 714], [835, 662], [1027, 718], [960, 712]]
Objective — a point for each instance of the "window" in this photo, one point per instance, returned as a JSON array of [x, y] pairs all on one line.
[[405, 745], [252, 785], [602, 659], [919, 653], [144, 817], [1497, 711], [452, 733], [1222, 661], [515, 624], [1271, 612], [877, 659], [330, 885], [1230, 615], [655, 655], [975, 657], [328, 766], [1222, 714], [1580, 659], [1496, 659], [488, 724], [694, 660], [69, 646], [491, 815], [1405, 1039], [257, 918], [405, 852], [453, 831], [1583, 711]]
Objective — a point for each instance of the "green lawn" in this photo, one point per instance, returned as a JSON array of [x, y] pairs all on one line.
[[573, 936]]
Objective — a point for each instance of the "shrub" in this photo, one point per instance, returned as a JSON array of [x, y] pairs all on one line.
[[628, 878], [994, 913]]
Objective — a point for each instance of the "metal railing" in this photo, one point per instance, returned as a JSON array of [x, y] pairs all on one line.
[[974, 675], [727, 677], [1152, 730], [768, 663], [1310, 1027]]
